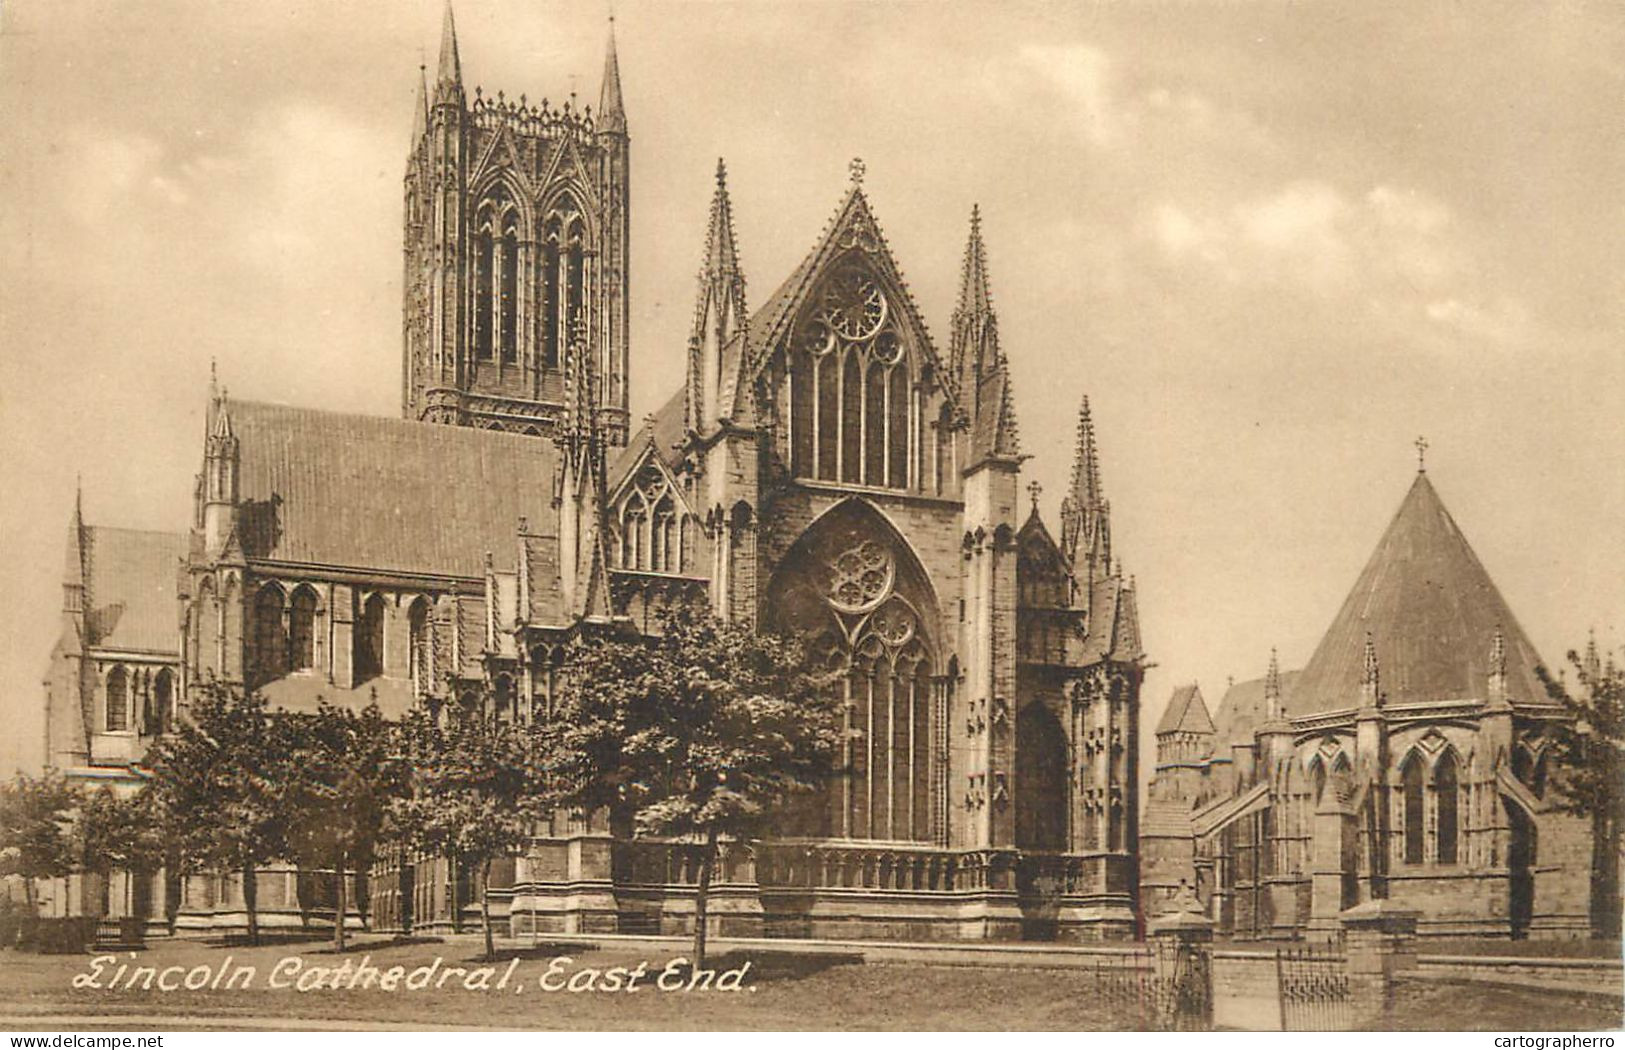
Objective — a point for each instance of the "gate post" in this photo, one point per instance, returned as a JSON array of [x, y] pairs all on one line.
[[1379, 937], [1182, 971]]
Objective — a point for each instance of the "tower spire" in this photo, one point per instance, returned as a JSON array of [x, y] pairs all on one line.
[[420, 109], [449, 82], [611, 112]]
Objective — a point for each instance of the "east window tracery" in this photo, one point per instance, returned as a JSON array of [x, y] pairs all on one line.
[[856, 414]]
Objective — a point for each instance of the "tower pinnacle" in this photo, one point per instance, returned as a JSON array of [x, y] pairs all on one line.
[[449, 81], [1085, 513], [611, 112]]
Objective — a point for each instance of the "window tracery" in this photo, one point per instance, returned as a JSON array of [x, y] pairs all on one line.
[[651, 531], [855, 411], [863, 613]]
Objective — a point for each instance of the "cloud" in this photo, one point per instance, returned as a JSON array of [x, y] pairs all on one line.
[[1395, 250], [106, 175], [1080, 74]]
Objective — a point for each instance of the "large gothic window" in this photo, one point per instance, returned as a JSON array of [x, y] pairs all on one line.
[[302, 630], [862, 603], [496, 278], [563, 277], [163, 701], [118, 700], [369, 639], [417, 630], [650, 525], [1445, 799], [1411, 780], [852, 416], [270, 643]]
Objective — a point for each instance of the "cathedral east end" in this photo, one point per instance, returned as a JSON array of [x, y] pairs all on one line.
[[822, 469]]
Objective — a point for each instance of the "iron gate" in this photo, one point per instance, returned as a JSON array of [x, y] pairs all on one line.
[[1314, 984]]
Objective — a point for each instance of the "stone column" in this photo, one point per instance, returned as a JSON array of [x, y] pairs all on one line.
[[1380, 940], [1181, 967], [1331, 849]]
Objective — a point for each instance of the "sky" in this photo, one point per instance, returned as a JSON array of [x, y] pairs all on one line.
[[1273, 243]]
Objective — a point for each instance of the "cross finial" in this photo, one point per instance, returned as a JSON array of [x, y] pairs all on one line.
[[1421, 444], [857, 169], [1036, 490]]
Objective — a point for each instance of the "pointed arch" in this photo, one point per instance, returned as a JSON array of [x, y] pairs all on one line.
[[1446, 795], [163, 702], [270, 639], [860, 597], [418, 644], [1412, 778], [117, 694], [369, 639], [302, 628]]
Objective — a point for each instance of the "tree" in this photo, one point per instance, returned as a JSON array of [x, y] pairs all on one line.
[[345, 772], [472, 797], [699, 734], [219, 784], [114, 832], [36, 820], [1588, 772]]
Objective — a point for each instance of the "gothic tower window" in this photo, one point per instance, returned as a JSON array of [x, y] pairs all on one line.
[[270, 644], [550, 294], [484, 265], [854, 416], [206, 620], [118, 700], [369, 639], [1411, 779], [863, 604], [509, 285], [302, 630], [1445, 788]]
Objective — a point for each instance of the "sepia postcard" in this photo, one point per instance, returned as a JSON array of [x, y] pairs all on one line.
[[822, 515]]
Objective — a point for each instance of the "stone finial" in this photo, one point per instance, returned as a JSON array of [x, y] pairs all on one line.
[[1421, 444]]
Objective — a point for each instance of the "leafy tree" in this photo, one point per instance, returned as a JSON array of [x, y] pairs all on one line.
[[36, 839], [1589, 772], [118, 832], [697, 734], [219, 784], [472, 797], [345, 772]]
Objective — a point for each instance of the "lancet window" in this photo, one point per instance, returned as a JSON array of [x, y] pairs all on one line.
[[563, 290], [856, 409], [652, 526], [496, 278]]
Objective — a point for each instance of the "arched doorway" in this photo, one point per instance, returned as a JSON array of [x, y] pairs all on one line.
[[854, 590]]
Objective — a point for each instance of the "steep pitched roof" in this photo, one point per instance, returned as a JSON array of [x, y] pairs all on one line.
[[1432, 613], [664, 429], [367, 492], [131, 588], [1186, 712]]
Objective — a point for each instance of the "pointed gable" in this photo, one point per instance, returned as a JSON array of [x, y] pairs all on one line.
[[852, 230], [1431, 611], [1186, 712]]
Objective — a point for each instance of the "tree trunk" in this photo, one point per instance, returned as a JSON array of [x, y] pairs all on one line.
[[456, 864], [31, 896], [485, 908], [341, 906], [708, 863], [251, 896]]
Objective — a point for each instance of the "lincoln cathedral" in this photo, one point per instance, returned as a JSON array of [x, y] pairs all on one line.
[[821, 469]]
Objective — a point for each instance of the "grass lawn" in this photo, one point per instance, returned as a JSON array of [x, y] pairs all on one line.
[[780, 991], [1456, 1006]]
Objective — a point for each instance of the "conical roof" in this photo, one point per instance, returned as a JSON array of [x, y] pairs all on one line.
[[1186, 712], [1431, 611]]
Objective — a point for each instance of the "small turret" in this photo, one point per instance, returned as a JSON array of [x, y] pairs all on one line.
[[1274, 710], [1370, 677], [1497, 684], [220, 468]]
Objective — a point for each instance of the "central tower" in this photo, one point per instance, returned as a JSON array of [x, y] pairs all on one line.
[[516, 243]]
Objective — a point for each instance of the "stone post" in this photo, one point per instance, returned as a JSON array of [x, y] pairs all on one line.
[[1380, 940], [1182, 968]]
